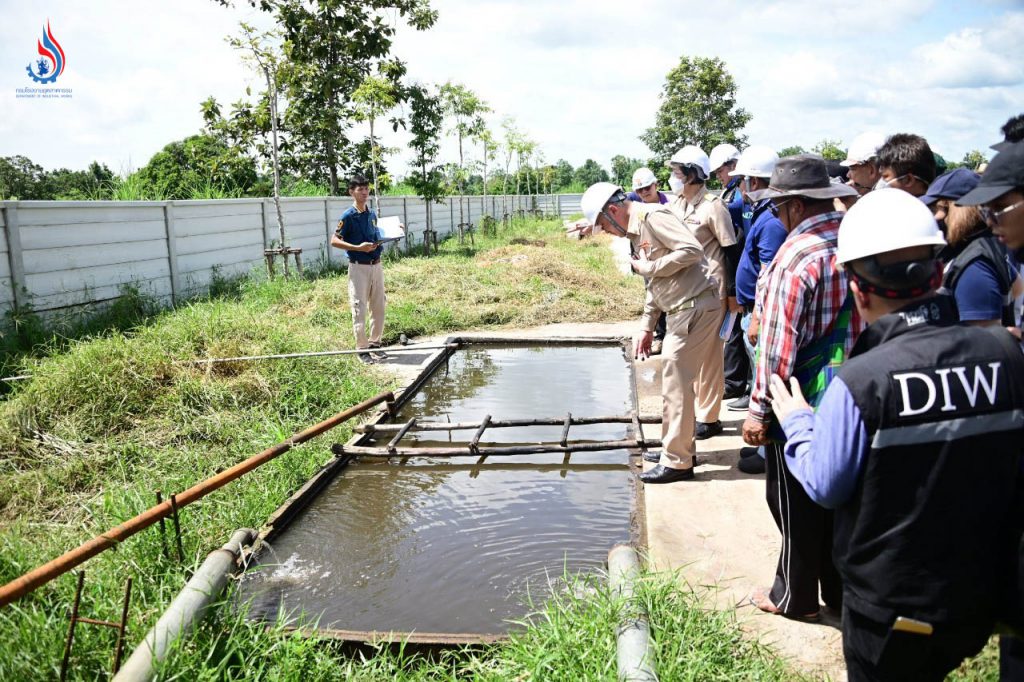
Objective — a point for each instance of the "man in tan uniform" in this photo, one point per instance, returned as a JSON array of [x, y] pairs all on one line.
[[680, 286], [708, 219]]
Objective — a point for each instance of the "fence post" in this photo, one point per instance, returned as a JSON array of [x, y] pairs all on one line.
[[327, 226], [172, 252], [15, 257], [405, 221], [558, 205], [266, 219]]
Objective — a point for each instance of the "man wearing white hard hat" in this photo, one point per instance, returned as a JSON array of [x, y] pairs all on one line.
[[670, 255], [645, 190], [762, 241], [708, 219], [722, 162], [862, 160], [916, 445]]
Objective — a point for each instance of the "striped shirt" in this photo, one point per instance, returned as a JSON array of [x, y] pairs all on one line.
[[800, 295]]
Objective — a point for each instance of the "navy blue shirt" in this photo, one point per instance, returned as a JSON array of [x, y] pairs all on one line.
[[762, 242], [735, 204], [356, 228], [978, 293]]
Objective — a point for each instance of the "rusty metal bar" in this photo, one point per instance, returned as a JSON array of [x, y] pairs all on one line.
[[401, 434], [565, 429], [41, 575], [474, 444], [71, 627], [501, 451], [177, 528], [314, 354], [122, 626], [507, 423], [96, 621]]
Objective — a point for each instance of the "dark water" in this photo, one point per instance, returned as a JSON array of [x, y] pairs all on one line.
[[446, 545]]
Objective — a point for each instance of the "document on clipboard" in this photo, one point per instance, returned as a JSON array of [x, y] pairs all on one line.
[[727, 324], [389, 229]]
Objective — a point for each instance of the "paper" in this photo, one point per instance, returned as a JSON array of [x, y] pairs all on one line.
[[727, 325], [389, 229]]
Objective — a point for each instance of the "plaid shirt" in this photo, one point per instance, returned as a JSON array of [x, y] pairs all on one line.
[[799, 296]]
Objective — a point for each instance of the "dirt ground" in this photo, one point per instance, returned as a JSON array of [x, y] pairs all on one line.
[[715, 530]]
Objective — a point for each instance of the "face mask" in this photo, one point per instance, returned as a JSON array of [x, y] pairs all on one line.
[[676, 184]]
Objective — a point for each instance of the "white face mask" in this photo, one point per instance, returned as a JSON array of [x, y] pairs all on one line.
[[675, 184]]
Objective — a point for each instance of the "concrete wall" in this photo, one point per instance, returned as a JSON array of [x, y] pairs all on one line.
[[60, 255]]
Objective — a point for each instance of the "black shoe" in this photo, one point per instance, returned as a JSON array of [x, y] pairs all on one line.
[[652, 456], [366, 358], [748, 452], [751, 465], [660, 474], [705, 431], [377, 354], [734, 392], [740, 404]]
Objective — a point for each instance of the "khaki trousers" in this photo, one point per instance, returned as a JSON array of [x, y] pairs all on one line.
[[689, 338], [711, 378], [366, 292]]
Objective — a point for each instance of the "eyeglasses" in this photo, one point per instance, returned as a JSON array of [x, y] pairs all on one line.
[[994, 217]]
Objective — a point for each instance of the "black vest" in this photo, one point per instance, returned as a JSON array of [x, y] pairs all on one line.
[[928, 533], [983, 246]]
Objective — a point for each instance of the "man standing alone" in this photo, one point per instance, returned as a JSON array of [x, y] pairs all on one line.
[[357, 235]]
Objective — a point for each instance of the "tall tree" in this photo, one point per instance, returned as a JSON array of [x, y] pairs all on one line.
[[376, 96], [510, 146], [830, 150], [488, 148], [622, 169], [698, 106], [467, 111], [589, 173], [426, 118], [332, 46], [563, 175]]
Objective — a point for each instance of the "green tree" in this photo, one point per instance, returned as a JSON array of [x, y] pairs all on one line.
[[972, 159], [426, 118], [22, 179], [331, 47], [563, 175], [375, 97], [69, 185], [196, 163], [589, 173], [698, 106], [467, 111], [792, 151], [622, 169], [830, 150]]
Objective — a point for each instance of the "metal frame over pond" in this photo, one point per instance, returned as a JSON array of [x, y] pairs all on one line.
[[293, 507]]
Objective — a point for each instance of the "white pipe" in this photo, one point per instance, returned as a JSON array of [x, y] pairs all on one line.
[[634, 650], [186, 611]]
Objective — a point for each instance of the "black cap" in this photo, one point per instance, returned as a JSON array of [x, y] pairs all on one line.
[[1004, 174]]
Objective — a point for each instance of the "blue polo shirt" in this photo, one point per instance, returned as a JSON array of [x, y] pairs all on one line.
[[355, 228], [733, 198], [763, 240]]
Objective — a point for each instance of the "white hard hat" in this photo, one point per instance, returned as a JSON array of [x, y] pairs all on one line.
[[643, 177], [721, 155], [863, 148], [691, 155], [886, 220], [596, 196], [756, 161]]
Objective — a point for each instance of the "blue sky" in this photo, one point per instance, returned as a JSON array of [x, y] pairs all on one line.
[[581, 77]]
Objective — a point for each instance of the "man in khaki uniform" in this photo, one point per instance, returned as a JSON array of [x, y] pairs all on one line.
[[708, 219], [680, 286]]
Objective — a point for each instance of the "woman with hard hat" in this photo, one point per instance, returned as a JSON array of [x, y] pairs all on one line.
[[708, 219], [916, 445], [645, 190]]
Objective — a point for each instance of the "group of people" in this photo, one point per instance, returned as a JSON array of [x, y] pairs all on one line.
[[876, 349]]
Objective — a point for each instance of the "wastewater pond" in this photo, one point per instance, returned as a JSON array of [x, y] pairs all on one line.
[[450, 545]]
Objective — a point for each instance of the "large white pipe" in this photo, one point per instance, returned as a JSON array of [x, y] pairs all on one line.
[[186, 611], [634, 650]]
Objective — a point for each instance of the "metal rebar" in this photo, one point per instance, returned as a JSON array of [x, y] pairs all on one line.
[[71, 627], [565, 429], [43, 574], [123, 626], [313, 354], [474, 444], [177, 528], [505, 423], [97, 621], [401, 434], [499, 451]]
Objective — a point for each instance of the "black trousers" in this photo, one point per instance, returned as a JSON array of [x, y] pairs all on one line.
[[1011, 658], [876, 652], [660, 328], [806, 557], [737, 363]]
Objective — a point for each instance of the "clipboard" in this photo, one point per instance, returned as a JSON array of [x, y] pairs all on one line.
[[389, 230]]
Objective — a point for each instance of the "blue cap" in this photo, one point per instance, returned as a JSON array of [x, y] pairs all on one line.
[[951, 185]]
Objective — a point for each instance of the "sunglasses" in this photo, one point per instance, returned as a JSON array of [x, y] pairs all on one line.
[[993, 217]]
